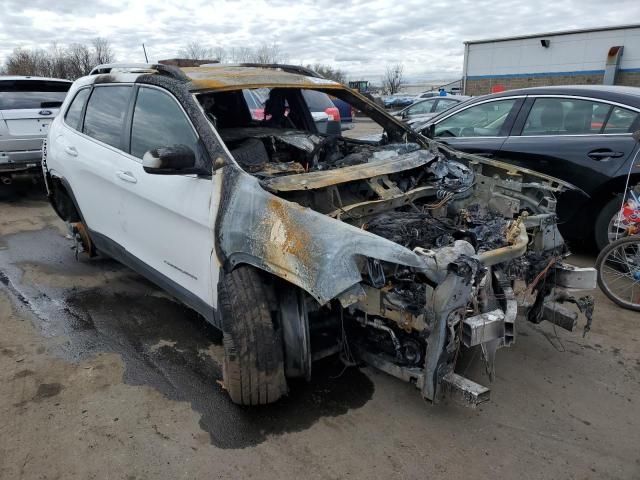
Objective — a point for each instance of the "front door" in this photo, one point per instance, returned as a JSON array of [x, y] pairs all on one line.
[[168, 221]]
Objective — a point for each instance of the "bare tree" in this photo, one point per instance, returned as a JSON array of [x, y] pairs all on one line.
[[196, 51], [220, 54], [240, 55], [327, 71], [269, 53], [102, 51], [393, 79], [81, 60], [58, 61]]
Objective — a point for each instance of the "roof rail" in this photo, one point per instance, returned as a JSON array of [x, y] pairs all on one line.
[[165, 70], [298, 69]]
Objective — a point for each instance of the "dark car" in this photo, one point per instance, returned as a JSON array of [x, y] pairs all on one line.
[[398, 101], [346, 111], [581, 134]]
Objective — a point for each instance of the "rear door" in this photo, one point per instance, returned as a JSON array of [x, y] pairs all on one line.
[[480, 128], [27, 108], [581, 140], [91, 147]]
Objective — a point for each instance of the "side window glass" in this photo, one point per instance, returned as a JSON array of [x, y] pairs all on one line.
[[484, 120], [105, 114], [423, 107], [444, 105], [158, 121], [565, 116], [620, 121], [72, 117]]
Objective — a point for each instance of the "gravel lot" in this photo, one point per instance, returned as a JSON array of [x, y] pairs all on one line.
[[104, 376]]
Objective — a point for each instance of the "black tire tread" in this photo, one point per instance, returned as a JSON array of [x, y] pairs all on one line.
[[253, 370]]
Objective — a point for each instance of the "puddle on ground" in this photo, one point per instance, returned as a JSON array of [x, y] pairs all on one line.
[[163, 344]]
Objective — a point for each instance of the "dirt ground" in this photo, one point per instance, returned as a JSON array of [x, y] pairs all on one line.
[[104, 376]]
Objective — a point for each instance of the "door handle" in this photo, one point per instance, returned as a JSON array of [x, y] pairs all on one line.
[[126, 176], [71, 151], [602, 154]]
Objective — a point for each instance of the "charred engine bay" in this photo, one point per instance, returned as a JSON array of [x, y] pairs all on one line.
[[267, 152], [414, 207], [426, 203]]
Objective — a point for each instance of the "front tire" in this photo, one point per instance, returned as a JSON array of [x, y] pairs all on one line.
[[253, 369]]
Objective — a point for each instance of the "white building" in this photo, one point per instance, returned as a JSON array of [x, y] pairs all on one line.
[[609, 55]]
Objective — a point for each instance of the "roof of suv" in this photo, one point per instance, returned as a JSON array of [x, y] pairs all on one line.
[[231, 77], [220, 76]]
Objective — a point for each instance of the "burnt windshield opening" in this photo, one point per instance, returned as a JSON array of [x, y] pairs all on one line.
[[283, 131]]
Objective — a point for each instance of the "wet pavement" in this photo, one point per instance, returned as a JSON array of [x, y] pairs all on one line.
[[98, 305], [568, 406]]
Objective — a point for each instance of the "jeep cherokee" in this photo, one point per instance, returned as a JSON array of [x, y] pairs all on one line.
[[297, 244]]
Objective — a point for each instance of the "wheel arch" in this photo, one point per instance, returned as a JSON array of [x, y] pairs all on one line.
[[62, 199]]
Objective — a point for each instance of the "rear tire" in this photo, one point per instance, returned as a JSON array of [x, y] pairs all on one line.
[[253, 369]]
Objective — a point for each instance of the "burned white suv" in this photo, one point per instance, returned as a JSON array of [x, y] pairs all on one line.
[[28, 105], [397, 252]]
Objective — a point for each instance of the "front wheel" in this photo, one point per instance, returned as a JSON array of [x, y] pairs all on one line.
[[253, 369], [618, 268]]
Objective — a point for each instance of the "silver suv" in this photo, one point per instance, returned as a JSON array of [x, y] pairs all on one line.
[[27, 107]]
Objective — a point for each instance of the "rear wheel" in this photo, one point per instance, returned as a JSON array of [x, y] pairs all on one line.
[[253, 369]]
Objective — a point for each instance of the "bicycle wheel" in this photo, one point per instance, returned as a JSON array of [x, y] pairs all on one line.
[[618, 268]]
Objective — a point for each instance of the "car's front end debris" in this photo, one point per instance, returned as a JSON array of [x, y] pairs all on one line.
[[419, 249]]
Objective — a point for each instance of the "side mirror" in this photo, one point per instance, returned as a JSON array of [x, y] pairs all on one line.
[[636, 136], [172, 160]]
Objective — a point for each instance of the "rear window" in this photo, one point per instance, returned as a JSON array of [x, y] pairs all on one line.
[[317, 101], [21, 94], [106, 110], [72, 118]]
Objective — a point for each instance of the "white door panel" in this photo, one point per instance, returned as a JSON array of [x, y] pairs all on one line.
[[90, 168], [168, 225]]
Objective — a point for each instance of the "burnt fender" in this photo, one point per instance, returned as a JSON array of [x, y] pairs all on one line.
[[319, 254]]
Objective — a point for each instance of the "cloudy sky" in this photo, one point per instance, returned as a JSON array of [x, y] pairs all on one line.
[[360, 37]]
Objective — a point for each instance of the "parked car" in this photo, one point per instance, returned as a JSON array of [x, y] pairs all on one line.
[[398, 101], [325, 114], [346, 111], [430, 94], [27, 107], [429, 107], [297, 244], [581, 134]]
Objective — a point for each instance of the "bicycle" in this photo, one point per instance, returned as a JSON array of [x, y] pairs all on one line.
[[618, 267]]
